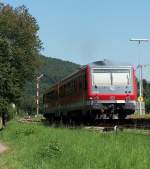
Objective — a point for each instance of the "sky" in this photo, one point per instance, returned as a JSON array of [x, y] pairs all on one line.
[[83, 31]]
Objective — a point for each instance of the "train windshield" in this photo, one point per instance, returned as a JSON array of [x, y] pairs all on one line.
[[108, 77]]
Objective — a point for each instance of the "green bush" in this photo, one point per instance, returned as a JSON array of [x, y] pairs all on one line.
[[51, 149], [24, 131], [147, 105]]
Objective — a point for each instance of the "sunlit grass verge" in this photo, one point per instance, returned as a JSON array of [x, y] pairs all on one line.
[[138, 116], [34, 146]]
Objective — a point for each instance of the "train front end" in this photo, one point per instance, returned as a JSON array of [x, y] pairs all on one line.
[[111, 89]]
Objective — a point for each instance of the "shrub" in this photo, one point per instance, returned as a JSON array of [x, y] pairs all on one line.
[[52, 149], [24, 131]]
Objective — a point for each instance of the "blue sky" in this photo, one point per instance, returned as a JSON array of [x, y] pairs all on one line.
[[83, 31]]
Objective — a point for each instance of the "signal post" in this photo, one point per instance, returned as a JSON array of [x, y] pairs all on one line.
[[38, 93], [141, 103]]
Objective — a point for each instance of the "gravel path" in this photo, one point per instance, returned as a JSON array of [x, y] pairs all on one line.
[[2, 148]]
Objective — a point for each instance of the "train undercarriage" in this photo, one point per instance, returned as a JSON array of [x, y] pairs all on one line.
[[89, 114]]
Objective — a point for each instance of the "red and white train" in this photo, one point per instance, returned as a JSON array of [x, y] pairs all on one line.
[[99, 90]]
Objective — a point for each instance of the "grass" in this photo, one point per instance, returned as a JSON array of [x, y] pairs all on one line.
[[0, 122], [34, 146], [138, 116]]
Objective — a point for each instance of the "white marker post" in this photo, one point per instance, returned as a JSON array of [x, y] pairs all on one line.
[[38, 93], [140, 73]]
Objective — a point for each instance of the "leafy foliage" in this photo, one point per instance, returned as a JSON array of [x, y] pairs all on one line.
[[146, 93], [19, 47]]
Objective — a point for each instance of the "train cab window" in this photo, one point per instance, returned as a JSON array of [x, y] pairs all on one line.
[[108, 77], [120, 78], [101, 79]]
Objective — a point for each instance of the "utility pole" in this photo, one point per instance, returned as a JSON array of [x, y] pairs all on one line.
[[140, 76], [38, 93]]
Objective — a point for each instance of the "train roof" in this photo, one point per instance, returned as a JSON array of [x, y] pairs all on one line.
[[106, 62]]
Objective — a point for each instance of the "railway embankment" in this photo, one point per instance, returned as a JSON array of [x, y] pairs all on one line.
[[34, 145]]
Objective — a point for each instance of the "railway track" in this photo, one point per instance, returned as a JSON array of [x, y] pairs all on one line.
[[124, 123], [104, 124]]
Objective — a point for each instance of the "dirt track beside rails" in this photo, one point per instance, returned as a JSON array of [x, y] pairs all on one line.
[[3, 148]]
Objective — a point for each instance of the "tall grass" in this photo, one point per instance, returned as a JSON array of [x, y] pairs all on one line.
[[33, 146]]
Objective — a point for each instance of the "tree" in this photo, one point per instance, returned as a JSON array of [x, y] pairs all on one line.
[[19, 48]]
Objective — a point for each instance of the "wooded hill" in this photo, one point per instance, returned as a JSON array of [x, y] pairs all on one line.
[[53, 70]]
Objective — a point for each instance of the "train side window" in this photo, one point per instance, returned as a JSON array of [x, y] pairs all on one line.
[[52, 95], [84, 80], [74, 86], [62, 91], [80, 83]]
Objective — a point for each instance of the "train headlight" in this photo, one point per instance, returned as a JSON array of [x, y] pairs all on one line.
[[96, 98], [112, 97], [128, 98]]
